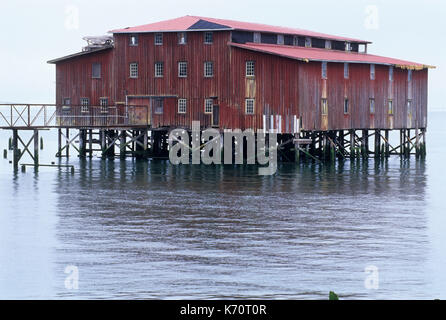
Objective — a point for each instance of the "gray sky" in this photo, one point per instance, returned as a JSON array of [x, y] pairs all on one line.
[[33, 32]]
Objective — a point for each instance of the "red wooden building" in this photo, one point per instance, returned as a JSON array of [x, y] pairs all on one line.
[[231, 74]]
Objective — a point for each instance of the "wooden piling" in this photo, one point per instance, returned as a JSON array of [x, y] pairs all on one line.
[[36, 147], [15, 149]]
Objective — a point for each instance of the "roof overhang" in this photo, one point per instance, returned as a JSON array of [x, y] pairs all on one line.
[[79, 54]]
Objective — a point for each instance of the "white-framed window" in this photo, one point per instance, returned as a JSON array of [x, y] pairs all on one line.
[[308, 42], [133, 40], [103, 102], [158, 106], [249, 106], [390, 107], [346, 106], [159, 69], [346, 71], [280, 39], [208, 105], [257, 37], [85, 104], [182, 69], [324, 106], [372, 72], [208, 37], [96, 70], [208, 69], [328, 44], [409, 75], [158, 39], [324, 69], [250, 68], [391, 73], [348, 46], [182, 105], [182, 37], [133, 70], [372, 105]]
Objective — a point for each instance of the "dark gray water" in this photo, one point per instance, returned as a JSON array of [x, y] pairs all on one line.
[[154, 230]]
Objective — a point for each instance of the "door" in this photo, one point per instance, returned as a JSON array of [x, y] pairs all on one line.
[[216, 115], [138, 109]]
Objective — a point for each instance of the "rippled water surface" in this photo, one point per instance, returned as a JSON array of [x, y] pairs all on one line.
[[148, 229]]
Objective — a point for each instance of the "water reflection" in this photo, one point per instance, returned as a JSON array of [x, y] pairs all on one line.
[[147, 229]]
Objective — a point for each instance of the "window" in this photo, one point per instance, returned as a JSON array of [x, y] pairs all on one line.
[[182, 69], [158, 39], [372, 106], [372, 72], [257, 37], [390, 73], [250, 68], [85, 104], [249, 106], [390, 107], [308, 42], [159, 69], [327, 44], [324, 107], [208, 105], [96, 70], [133, 41], [324, 70], [295, 41], [133, 70], [67, 102], [182, 38], [346, 71], [409, 107], [182, 104], [346, 106], [208, 37], [208, 69], [348, 46], [158, 106], [280, 39], [103, 102], [409, 75]]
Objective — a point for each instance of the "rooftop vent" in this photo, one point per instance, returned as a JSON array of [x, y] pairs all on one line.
[[98, 42]]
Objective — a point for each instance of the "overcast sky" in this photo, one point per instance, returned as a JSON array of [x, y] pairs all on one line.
[[33, 32]]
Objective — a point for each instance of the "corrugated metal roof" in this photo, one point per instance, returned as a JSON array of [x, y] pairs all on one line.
[[185, 23], [314, 54], [78, 54]]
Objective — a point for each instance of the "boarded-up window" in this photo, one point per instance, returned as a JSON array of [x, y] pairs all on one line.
[[372, 106], [324, 107], [96, 70], [159, 106], [346, 71], [324, 70], [182, 105], [182, 38], [372, 72], [390, 107], [249, 106]]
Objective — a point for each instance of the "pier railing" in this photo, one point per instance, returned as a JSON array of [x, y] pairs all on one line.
[[23, 116]]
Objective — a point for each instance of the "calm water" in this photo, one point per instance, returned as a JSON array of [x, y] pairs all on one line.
[[153, 230]]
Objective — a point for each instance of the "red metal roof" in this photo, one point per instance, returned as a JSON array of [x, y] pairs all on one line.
[[314, 54], [184, 23]]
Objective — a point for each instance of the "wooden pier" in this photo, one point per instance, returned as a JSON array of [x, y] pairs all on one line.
[[123, 136]]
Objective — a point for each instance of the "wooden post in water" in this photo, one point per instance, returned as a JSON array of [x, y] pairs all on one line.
[[387, 145], [82, 143], [377, 143], [122, 142], [59, 143], [15, 149], [36, 147], [68, 143], [90, 142]]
